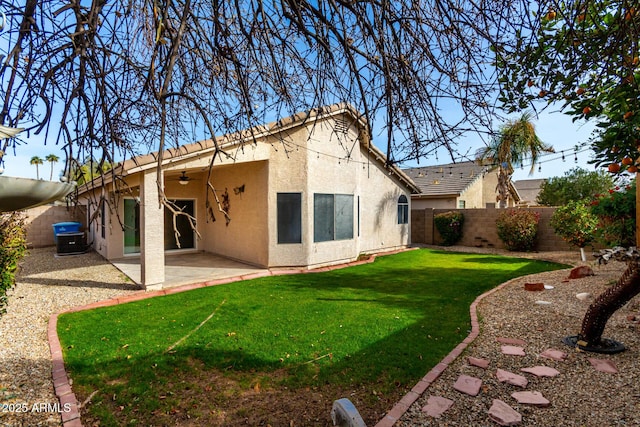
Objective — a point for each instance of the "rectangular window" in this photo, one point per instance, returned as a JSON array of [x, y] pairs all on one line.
[[289, 218], [461, 204], [182, 224], [332, 217]]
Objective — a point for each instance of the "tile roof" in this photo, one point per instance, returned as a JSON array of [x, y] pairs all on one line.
[[529, 188], [449, 179]]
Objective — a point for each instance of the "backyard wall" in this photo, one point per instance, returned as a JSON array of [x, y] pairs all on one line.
[[39, 222], [480, 229]]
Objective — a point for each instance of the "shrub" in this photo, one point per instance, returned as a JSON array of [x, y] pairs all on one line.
[[517, 228], [616, 212], [13, 246], [449, 225], [575, 223]]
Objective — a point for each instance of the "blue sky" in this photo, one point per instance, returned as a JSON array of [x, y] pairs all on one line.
[[554, 128]]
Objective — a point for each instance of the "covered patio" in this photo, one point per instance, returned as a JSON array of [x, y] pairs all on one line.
[[188, 268]]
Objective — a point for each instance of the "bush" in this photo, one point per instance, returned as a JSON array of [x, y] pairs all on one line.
[[616, 212], [449, 225], [13, 247], [518, 228], [575, 223]]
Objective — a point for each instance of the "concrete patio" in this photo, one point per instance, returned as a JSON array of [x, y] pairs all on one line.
[[188, 268]]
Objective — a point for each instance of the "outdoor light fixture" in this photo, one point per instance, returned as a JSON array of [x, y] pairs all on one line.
[[184, 179]]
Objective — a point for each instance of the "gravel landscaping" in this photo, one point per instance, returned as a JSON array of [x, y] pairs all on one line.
[[579, 396]]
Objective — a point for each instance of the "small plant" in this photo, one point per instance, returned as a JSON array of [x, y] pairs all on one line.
[[449, 225], [13, 246], [518, 229], [575, 223], [616, 212]]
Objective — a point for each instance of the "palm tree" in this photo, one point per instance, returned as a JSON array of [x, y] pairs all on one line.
[[52, 158], [516, 142], [35, 160]]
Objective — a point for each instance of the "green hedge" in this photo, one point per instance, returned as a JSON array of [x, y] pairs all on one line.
[[13, 246]]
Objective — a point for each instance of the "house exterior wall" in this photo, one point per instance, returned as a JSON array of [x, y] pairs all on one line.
[[449, 202], [474, 195], [39, 222]]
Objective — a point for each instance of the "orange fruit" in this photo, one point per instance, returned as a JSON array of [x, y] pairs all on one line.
[[530, 83], [586, 110], [614, 167], [628, 115], [582, 17], [580, 91], [632, 169], [551, 15], [627, 161], [542, 93]]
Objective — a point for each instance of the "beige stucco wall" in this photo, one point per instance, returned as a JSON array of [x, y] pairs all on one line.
[[39, 222], [474, 195], [440, 203]]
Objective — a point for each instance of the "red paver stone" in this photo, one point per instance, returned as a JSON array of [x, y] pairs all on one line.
[[436, 406], [534, 398], [468, 385], [480, 363], [554, 354], [511, 341], [511, 378], [604, 365], [512, 350], [504, 414], [541, 371]]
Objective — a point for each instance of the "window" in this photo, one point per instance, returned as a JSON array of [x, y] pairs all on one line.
[[461, 204], [289, 218], [332, 217], [403, 210], [182, 224], [103, 219]]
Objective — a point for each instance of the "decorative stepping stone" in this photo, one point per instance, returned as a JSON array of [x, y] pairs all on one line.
[[437, 405], [480, 363], [534, 398], [511, 378], [604, 365], [511, 341], [468, 385], [541, 371], [554, 354], [504, 414], [511, 350], [534, 287]]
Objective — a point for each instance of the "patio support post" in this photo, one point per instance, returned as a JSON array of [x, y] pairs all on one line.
[[151, 233]]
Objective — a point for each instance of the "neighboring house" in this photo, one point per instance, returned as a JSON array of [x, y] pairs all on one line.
[[529, 190], [457, 186], [306, 191]]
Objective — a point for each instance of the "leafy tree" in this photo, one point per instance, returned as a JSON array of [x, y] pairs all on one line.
[[35, 160], [516, 141], [576, 224], [616, 210], [52, 158], [584, 54], [577, 184]]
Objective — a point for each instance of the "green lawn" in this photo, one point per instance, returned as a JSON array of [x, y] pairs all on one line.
[[382, 325]]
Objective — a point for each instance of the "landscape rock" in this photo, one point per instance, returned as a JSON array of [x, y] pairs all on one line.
[[511, 378], [512, 350], [580, 272], [534, 398], [604, 365], [480, 363], [468, 385], [541, 371], [504, 414], [554, 354], [534, 287], [583, 296], [437, 405], [541, 302]]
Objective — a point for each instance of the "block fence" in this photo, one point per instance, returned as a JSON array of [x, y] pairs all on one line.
[[39, 222], [480, 229]]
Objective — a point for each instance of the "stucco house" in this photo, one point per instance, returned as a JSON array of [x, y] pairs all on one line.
[[529, 190], [306, 191], [460, 185]]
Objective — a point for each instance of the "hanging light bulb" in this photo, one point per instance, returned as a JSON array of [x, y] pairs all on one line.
[[575, 157], [563, 159], [539, 168]]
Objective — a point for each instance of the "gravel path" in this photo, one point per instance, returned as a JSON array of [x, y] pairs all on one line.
[[579, 396], [46, 284]]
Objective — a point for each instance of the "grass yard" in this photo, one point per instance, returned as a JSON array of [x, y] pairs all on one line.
[[279, 350]]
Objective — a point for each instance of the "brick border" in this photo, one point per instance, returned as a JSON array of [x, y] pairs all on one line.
[[61, 384], [410, 398]]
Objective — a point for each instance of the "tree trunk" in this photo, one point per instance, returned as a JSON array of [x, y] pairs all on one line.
[[608, 303]]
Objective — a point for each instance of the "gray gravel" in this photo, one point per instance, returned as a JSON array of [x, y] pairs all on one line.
[[46, 284]]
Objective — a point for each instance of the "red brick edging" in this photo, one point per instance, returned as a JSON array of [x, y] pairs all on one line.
[[69, 403], [409, 399]]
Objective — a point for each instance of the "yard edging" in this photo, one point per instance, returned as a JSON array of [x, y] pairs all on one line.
[[61, 383]]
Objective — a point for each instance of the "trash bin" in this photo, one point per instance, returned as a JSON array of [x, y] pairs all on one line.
[[65, 227]]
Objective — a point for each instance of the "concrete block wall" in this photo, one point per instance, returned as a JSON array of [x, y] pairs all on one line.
[[480, 229], [39, 222]]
